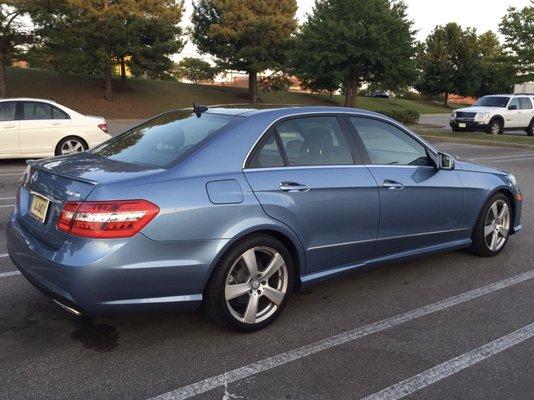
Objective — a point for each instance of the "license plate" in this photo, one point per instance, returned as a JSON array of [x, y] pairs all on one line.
[[39, 208], [462, 125]]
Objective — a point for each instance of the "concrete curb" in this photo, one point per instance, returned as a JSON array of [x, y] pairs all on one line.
[[479, 142]]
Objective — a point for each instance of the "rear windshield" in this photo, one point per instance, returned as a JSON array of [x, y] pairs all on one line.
[[162, 140], [493, 101]]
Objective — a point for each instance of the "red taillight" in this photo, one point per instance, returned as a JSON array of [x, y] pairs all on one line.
[[104, 127], [106, 219]]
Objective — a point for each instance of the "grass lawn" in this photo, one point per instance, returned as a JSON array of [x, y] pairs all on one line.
[[479, 136], [141, 98]]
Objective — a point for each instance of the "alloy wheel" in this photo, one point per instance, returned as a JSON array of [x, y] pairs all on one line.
[[72, 146], [256, 284], [495, 128], [497, 225]]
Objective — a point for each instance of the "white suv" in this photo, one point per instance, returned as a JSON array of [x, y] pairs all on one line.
[[495, 114], [43, 128]]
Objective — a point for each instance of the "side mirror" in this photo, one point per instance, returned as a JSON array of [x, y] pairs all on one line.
[[446, 161], [512, 107]]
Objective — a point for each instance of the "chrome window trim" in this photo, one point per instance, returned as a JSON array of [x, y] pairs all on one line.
[[347, 113], [305, 167], [386, 238]]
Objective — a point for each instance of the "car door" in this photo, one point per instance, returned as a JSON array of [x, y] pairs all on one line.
[[526, 112], [513, 114], [42, 127], [420, 205], [9, 129], [306, 175]]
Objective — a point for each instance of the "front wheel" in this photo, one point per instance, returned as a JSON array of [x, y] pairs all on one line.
[[492, 228], [70, 145], [495, 127], [250, 285]]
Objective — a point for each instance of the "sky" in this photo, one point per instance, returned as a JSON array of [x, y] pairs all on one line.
[[483, 15]]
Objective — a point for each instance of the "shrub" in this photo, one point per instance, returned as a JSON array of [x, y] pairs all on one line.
[[404, 116]]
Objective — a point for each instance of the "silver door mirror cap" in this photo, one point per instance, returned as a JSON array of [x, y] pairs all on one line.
[[446, 161]]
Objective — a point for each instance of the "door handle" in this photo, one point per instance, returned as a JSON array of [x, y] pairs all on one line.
[[9, 127], [56, 123], [392, 185], [293, 187]]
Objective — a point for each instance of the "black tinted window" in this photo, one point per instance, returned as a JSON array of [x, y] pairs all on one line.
[[314, 141], [524, 103], [388, 145], [35, 110], [8, 111], [160, 141], [59, 114], [268, 154]]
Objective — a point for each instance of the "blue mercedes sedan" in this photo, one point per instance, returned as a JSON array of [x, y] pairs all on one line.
[[236, 208]]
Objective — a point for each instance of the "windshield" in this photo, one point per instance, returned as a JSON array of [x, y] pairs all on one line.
[[493, 101], [162, 140]]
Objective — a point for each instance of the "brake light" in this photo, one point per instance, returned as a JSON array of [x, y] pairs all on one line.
[[106, 219], [104, 127]]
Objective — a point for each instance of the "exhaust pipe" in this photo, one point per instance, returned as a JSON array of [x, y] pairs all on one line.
[[67, 308]]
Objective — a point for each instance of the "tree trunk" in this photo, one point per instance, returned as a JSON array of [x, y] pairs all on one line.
[[253, 86], [108, 81], [446, 101], [123, 70], [3, 88], [350, 93]]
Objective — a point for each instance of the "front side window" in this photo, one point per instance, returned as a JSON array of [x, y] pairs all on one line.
[[314, 141], [524, 103], [388, 145], [36, 110], [160, 141], [514, 102], [8, 111]]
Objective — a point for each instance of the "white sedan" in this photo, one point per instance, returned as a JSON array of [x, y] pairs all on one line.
[[43, 128]]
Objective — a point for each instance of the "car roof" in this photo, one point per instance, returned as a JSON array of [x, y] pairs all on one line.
[[28, 99], [286, 110]]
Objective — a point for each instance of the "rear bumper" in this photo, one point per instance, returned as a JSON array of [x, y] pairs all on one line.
[[109, 277], [470, 125]]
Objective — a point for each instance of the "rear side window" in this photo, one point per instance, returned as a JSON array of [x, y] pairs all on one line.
[[314, 141], [388, 145], [268, 154], [36, 110], [59, 114], [524, 103], [162, 140], [8, 111]]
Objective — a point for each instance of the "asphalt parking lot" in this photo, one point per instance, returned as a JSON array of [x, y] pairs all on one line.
[[451, 326]]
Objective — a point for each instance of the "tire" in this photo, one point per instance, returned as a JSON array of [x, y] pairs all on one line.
[[490, 234], [74, 143], [269, 295], [495, 127], [457, 130], [530, 129]]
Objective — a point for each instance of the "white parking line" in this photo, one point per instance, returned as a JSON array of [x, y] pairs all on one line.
[[498, 157], [337, 340], [448, 368], [509, 160], [9, 205], [9, 273], [7, 198], [4, 255], [11, 174]]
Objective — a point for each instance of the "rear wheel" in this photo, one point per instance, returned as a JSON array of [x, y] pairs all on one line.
[[530, 129], [493, 226], [495, 127], [70, 145], [250, 285]]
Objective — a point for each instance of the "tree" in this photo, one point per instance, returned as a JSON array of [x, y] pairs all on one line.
[[517, 26], [12, 36], [93, 36], [352, 42], [449, 60], [245, 35], [497, 72], [195, 70]]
